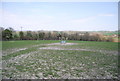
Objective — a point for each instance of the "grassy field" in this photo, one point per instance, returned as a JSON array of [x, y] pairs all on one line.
[[49, 59]]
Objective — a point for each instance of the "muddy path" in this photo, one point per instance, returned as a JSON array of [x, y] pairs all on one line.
[[57, 46]]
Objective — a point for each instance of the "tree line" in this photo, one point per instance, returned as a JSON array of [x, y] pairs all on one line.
[[11, 34]]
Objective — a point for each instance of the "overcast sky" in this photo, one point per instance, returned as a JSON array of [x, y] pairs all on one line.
[[76, 16]]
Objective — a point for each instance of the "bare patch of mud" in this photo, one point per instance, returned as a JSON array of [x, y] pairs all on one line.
[[59, 48], [91, 50], [62, 44]]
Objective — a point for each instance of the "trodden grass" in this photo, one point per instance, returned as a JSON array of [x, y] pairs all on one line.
[[35, 63]]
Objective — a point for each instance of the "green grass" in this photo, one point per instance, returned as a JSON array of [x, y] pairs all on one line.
[[23, 43], [96, 45], [60, 63], [83, 44]]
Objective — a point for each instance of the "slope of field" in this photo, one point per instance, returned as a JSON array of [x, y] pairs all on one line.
[[50, 59], [111, 33]]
